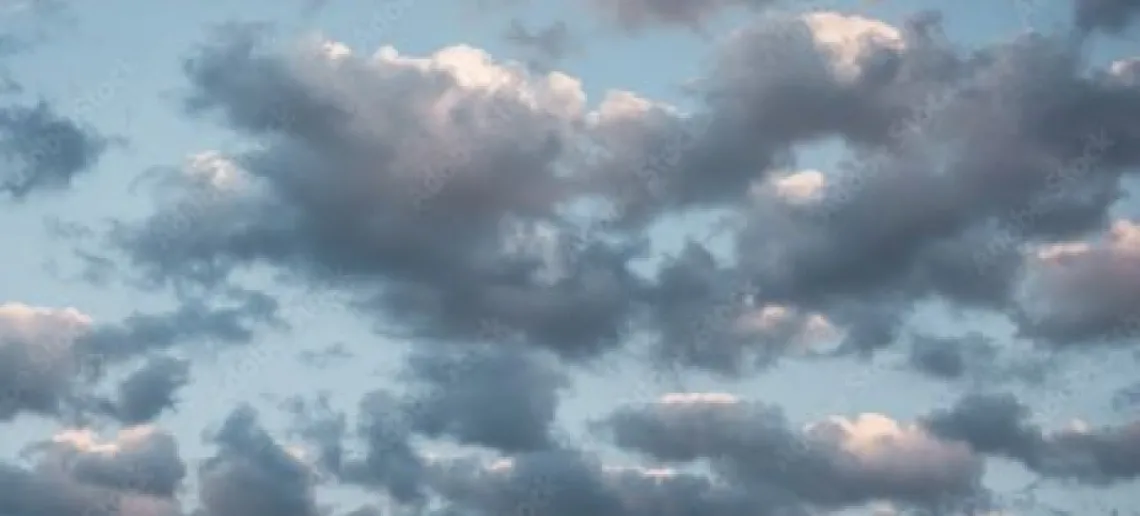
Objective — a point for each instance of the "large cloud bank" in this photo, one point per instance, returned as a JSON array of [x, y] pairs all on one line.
[[498, 217]]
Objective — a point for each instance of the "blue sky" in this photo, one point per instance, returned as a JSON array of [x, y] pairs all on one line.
[[118, 67]]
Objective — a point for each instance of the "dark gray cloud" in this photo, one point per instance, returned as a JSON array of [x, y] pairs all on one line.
[[1126, 397], [550, 481], [908, 226], [947, 358], [526, 480], [319, 424], [568, 482], [26, 493], [973, 357], [770, 85], [52, 358], [707, 316], [40, 149], [76, 473], [149, 390], [43, 150], [141, 460], [960, 162], [833, 464], [999, 425], [386, 199], [556, 483], [38, 360], [254, 475], [1084, 293], [390, 460], [1110, 16], [496, 396], [192, 321], [435, 192]]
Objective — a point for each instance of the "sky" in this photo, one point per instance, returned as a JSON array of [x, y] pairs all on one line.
[[556, 258]]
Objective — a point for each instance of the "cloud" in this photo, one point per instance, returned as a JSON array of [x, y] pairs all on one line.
[[193, 320], [142, 459], [973, 357], [34, 17], [52, 357], [26, 494], [566, 482], [779, 80], [318, 424], [958, 165], [500, 397], [1110, 16], [150, 390], [998, 424], [553, 480], [252, 474], [391, 460], [364, 181], [135, 474], [758, 463], [39, 359], [40, 149], [636, 15], [44, 151], [442, 195], [550, 43], [382, 188], [705, 316], [1078, 292], [834, 464], [947, 358]]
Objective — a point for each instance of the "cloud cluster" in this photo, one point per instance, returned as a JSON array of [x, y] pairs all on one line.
[[999, 425], [53, 358], [253, 474], [498, 397], [74, 474], [758, 462], [836, 463], [437, 198], [454, 198], [449, 201]]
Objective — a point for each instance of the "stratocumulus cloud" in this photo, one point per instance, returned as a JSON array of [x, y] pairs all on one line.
[[498, 230]]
